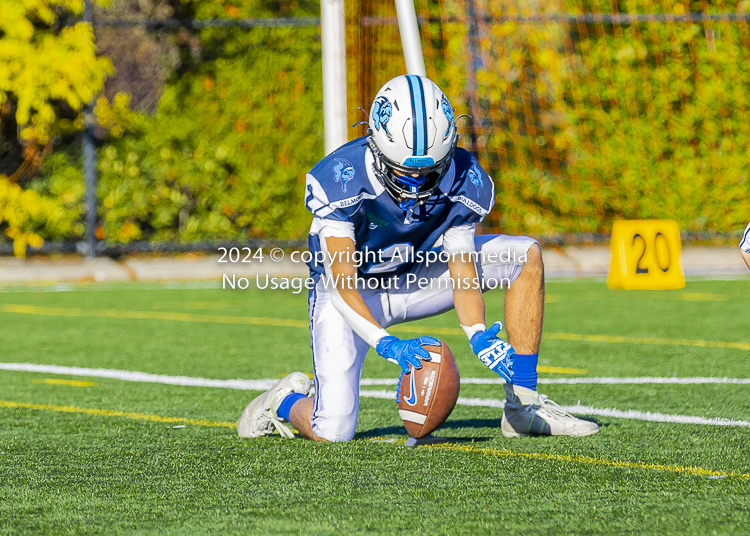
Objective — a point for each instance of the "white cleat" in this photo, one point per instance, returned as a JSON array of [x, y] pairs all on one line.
[[529, 413], [260, 418]]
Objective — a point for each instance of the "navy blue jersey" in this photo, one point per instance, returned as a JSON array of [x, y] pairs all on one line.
[[343, 187]]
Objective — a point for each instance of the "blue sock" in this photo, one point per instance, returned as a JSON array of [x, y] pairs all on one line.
[[524, 370], [287, 403]]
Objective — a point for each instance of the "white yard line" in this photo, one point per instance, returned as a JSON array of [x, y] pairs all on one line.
[[128, 376], [260, 385], [643, 379], [588, 410], [653, 417], [596, 380]]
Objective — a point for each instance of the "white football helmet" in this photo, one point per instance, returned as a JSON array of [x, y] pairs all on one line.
[[412, 132]]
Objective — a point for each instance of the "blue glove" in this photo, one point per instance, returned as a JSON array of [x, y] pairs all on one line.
[[405, 352], [493, 351]]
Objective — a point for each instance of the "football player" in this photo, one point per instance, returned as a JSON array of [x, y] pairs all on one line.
[[401, 191], [745, 245]]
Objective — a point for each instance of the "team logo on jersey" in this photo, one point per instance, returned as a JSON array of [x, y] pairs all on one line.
[[448, 111], [343, 172], [381, 114], [475, 176], [375, 222]]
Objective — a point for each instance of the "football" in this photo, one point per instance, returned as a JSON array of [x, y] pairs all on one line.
[[427, 396]]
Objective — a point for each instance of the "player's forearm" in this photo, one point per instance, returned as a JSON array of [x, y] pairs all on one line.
[[746, 256], [345, 274], [345, 297], [469, 305], [355, 312], [353, 299], [467, 299]]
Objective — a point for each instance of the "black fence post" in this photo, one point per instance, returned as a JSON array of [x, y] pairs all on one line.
[[471, 77], [89, 161]]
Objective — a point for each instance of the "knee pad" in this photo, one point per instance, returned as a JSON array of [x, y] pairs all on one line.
[[335, 428], [335, 413]]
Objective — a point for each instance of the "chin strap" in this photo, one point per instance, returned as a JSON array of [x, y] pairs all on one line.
[[406, 204]]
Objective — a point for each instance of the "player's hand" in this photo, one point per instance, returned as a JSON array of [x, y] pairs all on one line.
[[493, 351], [405, 352]]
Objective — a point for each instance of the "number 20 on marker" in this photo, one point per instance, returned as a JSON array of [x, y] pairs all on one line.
[[646, 255]]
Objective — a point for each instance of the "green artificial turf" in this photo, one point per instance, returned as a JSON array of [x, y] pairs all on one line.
[[78, 473]]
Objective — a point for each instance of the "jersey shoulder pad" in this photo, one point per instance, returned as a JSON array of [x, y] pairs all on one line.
[[339, 182], [471, 186]]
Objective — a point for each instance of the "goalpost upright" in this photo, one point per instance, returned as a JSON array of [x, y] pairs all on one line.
[[333, 36], [410, 41]]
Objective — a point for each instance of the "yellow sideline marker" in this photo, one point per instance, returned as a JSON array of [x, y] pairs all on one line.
[[696, 471], [646, 255], [152, 315], [115, 413], [702, 296], [72, 383], [221, 304], [647, 340], [283, 322], [561, 370]]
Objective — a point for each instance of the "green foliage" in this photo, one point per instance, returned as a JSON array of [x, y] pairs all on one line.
[[44, 68], [225, 155], [661, 123], [579, 123], [41, 66], [67, 189], [588, 123], [26, 215]]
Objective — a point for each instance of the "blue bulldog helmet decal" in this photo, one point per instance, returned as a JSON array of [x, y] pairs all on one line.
[[448, 111], [381, 114], [475, 176], [343, 172]]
